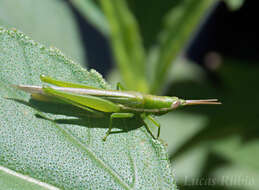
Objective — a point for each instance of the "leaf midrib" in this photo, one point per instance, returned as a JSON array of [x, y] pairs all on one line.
[[90, 153]]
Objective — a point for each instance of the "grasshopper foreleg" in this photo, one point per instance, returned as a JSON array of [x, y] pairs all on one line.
[[120, 87], [114, 116]]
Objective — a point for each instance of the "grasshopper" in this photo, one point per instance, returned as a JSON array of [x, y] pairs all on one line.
[[117, 103]]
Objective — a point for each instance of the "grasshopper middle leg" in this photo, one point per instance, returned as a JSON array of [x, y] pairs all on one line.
[[156, 124]]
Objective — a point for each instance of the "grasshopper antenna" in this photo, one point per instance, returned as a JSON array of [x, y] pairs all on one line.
[[198, 102]]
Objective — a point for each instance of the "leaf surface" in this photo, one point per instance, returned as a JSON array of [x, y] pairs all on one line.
[[48, 21], [65, 149]]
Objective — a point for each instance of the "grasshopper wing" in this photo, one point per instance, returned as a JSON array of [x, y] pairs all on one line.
[[55, 82], [83, 101]]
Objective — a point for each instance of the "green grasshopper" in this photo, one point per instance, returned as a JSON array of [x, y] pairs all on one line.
[[117, 103]]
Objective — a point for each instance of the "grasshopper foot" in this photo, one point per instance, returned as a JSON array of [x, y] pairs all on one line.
[[107, 134], [105, 137]]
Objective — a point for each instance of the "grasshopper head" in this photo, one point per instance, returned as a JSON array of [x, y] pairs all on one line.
[[176, 102]]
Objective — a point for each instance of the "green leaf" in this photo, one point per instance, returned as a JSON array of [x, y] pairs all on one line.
[[237, 176], [127, 44], [93, 14], [234, 4], [233, 148], [48, 21], [227, 134], [150, 15], [13, 180], [66, 149], [180, 24]]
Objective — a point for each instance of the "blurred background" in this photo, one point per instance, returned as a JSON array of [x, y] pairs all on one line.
[[188, 48]]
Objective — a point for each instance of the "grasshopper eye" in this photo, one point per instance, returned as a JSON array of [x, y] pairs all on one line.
[[176, 104]]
